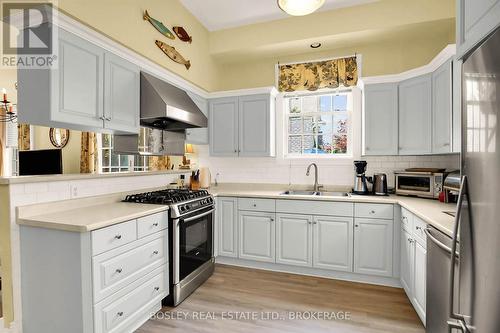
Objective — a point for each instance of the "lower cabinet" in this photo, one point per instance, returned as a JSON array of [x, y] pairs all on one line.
[[406, 267], [293, 239], [333, 243], [256, 235], [373, 242], [227, 216], [420, 272]]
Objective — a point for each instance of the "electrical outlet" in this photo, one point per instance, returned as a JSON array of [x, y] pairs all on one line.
[[74, 191]]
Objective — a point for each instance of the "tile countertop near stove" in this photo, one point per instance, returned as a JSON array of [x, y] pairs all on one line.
[[431, 211]]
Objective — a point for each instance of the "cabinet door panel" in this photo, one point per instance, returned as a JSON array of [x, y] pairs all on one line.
[[415, 106], [373, 246], [223, 130], [227, 215], [333, 243], [293, 239], [256, 230], [406, 266], [381, 119], [441, 109], [79, 83], [122, 95], [254, 125], [420, 280]]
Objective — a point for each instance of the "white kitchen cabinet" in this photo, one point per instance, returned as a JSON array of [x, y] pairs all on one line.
[[333, 243], [293, 239], [381, 119], [121, 94], [198, 136], [406, 263], [223, 128], [442, 109], [457, 106], [420, 276], [415, 116], [242, 126], [373, 244], [227, 218], [256, 236], [90, 89], [476, 19]]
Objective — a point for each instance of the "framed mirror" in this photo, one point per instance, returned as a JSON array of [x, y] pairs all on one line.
[[59, 137]]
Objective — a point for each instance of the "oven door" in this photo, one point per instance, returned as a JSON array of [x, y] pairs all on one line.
[[421, 185], [195, 242]]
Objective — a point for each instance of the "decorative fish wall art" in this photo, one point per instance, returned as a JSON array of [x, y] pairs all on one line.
[[172, 53], [158, 25], [182, 34]]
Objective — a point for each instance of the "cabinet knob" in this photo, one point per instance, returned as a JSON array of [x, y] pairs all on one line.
[[372, 212], [418, 228], [356, 225], [118, 236], [235, 151], [272, 220], [120, 314], [102, 118], [119, 270], [255, 205], [155, 252], [108, 118], [446, 144], [157, 288], [155, 224]]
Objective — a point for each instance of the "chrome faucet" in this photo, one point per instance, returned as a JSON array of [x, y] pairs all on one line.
[[316, 185]]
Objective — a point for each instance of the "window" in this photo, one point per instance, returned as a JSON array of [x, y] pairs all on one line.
[[318, 124], [111, 162]]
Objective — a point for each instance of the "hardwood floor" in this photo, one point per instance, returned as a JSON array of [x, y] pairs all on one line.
[[248, 292]]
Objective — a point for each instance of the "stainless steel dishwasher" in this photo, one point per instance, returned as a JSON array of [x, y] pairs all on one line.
[[438, 280]]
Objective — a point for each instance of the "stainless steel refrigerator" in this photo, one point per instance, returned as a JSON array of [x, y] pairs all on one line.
[[476, 295]]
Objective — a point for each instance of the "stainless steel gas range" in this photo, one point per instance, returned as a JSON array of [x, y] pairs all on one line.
[[191, 224]]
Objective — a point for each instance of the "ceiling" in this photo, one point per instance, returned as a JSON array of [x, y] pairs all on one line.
[[223, 14]]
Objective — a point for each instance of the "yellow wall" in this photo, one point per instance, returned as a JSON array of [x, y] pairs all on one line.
[[122, 21], [5, 256], [70, 153]]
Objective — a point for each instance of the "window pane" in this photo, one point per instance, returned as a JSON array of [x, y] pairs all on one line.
[[294, 105], [308, 144], [124, 160], [308, 125], [115, 169], [114, 159], [295, 144], [106, 157], [324, 124], [106, 140], [294, 125], [324, 144], [340, 143], [325, 103], [310, 104], [340, 103], [340, 123]]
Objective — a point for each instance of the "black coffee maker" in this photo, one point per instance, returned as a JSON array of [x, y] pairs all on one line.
[[360, 179]]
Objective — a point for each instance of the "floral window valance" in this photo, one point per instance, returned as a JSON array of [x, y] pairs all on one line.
[[316, 75]]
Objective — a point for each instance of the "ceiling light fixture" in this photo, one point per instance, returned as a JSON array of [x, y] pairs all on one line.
[[300, 7], [315, 45]]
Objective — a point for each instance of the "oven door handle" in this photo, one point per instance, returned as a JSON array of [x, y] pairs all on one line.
[[198, 216]]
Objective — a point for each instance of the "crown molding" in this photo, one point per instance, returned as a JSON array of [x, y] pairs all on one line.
[[240, 92], [448, 52]]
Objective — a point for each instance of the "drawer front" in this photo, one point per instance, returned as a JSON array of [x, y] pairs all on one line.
[[112, 237], [418, 231], [150, 224], [306, 207], [260, 205], [113, 271], [374, 211], [407, 220], [114, 316]]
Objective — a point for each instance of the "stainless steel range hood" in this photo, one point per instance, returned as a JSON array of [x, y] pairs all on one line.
[[150, 141], [165, 106]]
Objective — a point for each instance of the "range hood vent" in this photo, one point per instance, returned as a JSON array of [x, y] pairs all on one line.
[[165, 106]]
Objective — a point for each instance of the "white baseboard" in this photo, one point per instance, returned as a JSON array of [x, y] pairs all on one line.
[[345, 276]]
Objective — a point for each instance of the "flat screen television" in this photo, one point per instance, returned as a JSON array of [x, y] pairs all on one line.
[[40, 162]]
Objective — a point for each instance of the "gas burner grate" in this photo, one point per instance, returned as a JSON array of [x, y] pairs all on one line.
[[166, 197]]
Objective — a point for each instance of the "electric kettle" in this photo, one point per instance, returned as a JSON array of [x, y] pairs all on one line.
[[379, 184]]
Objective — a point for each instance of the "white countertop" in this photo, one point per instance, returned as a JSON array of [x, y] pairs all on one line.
[[431, 211]]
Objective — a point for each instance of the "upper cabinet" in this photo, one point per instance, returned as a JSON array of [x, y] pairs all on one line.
[[476, 19], [442, 109], [91, 89], [415, 109], [242, 126], [381, 119]]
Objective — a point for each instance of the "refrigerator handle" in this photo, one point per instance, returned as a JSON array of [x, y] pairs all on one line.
[[457, 320]]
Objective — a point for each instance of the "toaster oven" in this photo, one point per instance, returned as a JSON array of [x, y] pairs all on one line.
[[419, 184]]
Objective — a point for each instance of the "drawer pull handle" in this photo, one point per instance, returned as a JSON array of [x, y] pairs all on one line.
[[155, 224], [372, 212], [119, 270], [272, 220], [157, 288], [255, 205], [418, 228], [155, 252], [118, 236], [120, 314]]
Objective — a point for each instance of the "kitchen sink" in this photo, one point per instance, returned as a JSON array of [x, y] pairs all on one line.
[[312, 193]]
